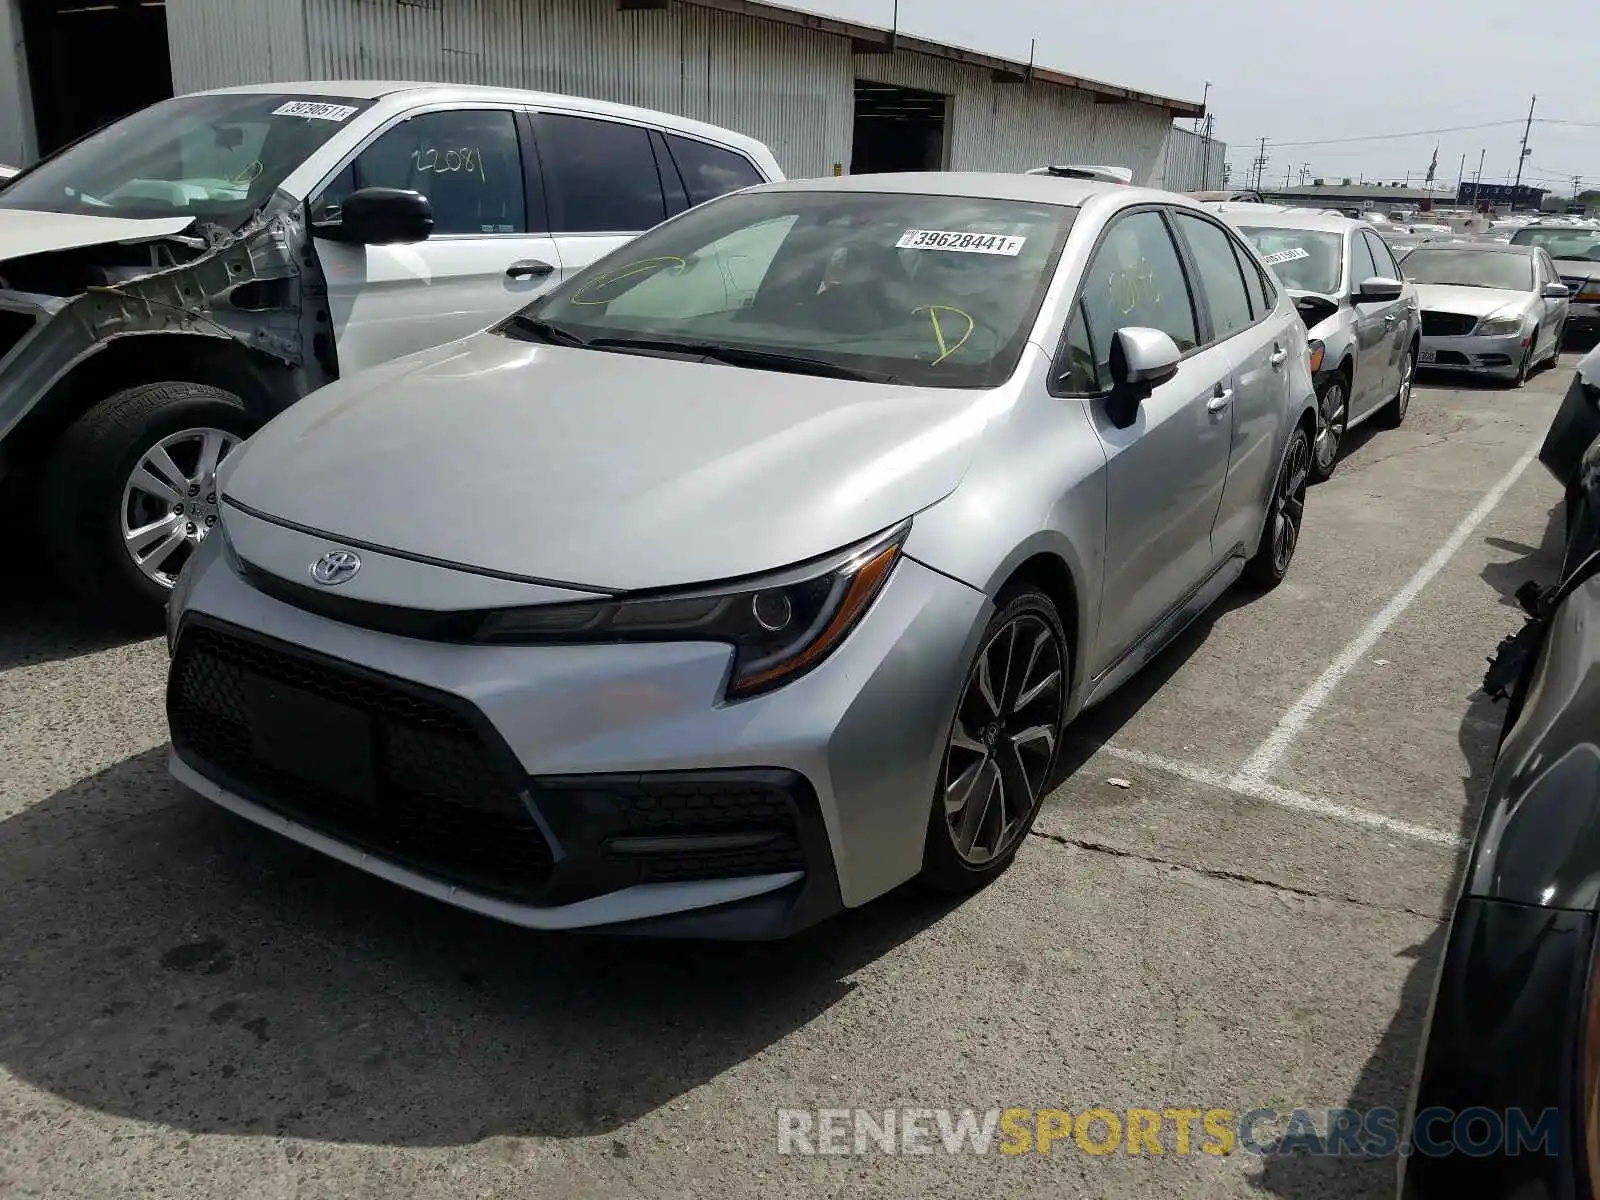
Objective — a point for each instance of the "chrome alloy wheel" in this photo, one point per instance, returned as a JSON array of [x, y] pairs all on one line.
[[1332, 416], [1289, 504], [169, 503], [1003, 740], [1403, 400]]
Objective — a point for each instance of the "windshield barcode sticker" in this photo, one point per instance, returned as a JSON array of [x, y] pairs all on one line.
[[320, 112], [1283, 256], [964, 243]]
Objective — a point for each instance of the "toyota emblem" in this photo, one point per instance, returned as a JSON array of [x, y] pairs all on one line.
[[336, 567]]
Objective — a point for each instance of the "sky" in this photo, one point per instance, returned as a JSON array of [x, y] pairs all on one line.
[[1316, 73]]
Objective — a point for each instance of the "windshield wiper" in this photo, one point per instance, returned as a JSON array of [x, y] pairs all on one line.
[[547, 331], [739, 356]]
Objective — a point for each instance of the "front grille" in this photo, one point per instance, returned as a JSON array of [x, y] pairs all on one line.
[[14, 326], [1437, 324], [443, 806]]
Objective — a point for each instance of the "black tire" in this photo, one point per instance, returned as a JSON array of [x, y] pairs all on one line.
[[1394, 412], [1526, 367], [1333, 418], [1280, 533], [996, 756], [82, 490]]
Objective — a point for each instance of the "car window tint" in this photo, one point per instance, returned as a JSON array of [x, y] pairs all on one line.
[[1220, 281], [1362, 268], [1079, 374], [1383, 258], [466, 161], [710, 171], [671, 181], [1254, 284], [1136, 279], [600, 175]]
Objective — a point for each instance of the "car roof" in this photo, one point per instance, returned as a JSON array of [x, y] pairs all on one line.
[[1288, 218], [421, 92], [992, 185]]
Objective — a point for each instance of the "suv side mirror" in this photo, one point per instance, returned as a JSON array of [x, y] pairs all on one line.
[[1142, 359], [1556, 291], [1378, 290], [380, 216]]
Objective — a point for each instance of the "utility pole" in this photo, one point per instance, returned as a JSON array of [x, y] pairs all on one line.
[[1289, 167], [1461, 176], [1205, 153], [1526, 130], [1261, 163], [1206, 95], [1477, 184]]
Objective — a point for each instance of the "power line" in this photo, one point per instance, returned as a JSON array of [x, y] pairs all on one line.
[[1389, 137]]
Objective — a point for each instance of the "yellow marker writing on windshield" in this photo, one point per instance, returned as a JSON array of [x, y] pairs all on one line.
[[945, 349], [642, 267]]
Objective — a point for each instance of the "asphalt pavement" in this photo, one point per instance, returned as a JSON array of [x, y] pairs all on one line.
[[1234, 902]]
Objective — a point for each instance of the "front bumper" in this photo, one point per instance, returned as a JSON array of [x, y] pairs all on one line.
[[1503, 1042], [565, 787], [1494, 357]]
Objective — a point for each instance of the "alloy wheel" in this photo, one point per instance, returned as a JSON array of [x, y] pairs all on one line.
[[169, 503], [1003, 740], [1289, 504], [1332, 416], [1407, 378]]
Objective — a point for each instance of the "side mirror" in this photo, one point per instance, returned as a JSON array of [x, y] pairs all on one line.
[[380, 216], [1556, 291], [1378, 290], [1141, 360]]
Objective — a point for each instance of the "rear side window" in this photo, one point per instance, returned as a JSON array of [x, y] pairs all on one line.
[[1220, 279], [711, 171], [1254, 283], [600, 175]]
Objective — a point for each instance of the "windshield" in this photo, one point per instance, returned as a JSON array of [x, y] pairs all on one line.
[[1470, 268], [940, 291], [217, 158], [1306, 260], [1575, 244]]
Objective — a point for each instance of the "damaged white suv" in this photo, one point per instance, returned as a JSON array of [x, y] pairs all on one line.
[[173, 281]]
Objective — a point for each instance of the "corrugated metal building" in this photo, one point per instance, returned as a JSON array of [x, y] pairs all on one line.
[[1192, 162], [825, 94]]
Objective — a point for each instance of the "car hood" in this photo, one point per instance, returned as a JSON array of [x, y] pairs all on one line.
[[24, 232], [1468, 301], [608, 471]]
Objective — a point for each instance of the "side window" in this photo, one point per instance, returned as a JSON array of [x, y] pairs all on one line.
[[1136, 278], [600, 175], [1362, 268], [710, 171], [1081, 378], [1220, 280], [466, 161], [671, 181], [1383, 257], [1254, 284]]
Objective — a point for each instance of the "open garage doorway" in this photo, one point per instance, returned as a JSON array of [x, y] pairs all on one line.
[[92, 61], [898, 129]]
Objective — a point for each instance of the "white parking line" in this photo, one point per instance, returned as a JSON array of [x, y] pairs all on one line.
[[1271, 793], [1256, 772]]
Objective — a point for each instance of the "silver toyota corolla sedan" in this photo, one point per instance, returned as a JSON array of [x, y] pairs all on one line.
[[756, 569], [1488, 307], [1359, 311]]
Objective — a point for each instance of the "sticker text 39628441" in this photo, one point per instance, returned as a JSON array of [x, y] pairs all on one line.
[[963, 243]]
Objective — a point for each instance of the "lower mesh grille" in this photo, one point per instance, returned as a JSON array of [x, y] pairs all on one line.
[[1438, 324], [441, 804]]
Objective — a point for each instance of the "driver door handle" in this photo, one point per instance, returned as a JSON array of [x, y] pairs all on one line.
[[1389, 318], [1220, 399], [528, 268], [1279, 357]]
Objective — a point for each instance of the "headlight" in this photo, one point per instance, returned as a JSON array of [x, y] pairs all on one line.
[[1499, 326], [1318, 352], [780, 626]]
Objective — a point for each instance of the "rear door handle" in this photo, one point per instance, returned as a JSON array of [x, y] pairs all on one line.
[[1279, 357], [528, 268], [1219, 401]]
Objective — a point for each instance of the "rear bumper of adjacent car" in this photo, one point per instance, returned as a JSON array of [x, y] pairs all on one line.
[[570, 787], [1495, 357]]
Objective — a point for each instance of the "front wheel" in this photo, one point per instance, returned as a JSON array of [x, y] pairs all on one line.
[[130, 490], [1333, 413], [1525, 367], [1280, 535], [1001, 747]]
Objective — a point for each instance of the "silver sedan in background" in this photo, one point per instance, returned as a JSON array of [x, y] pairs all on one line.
[[1361, 316], [1575, 250], [758, 568], [1490, 308]]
